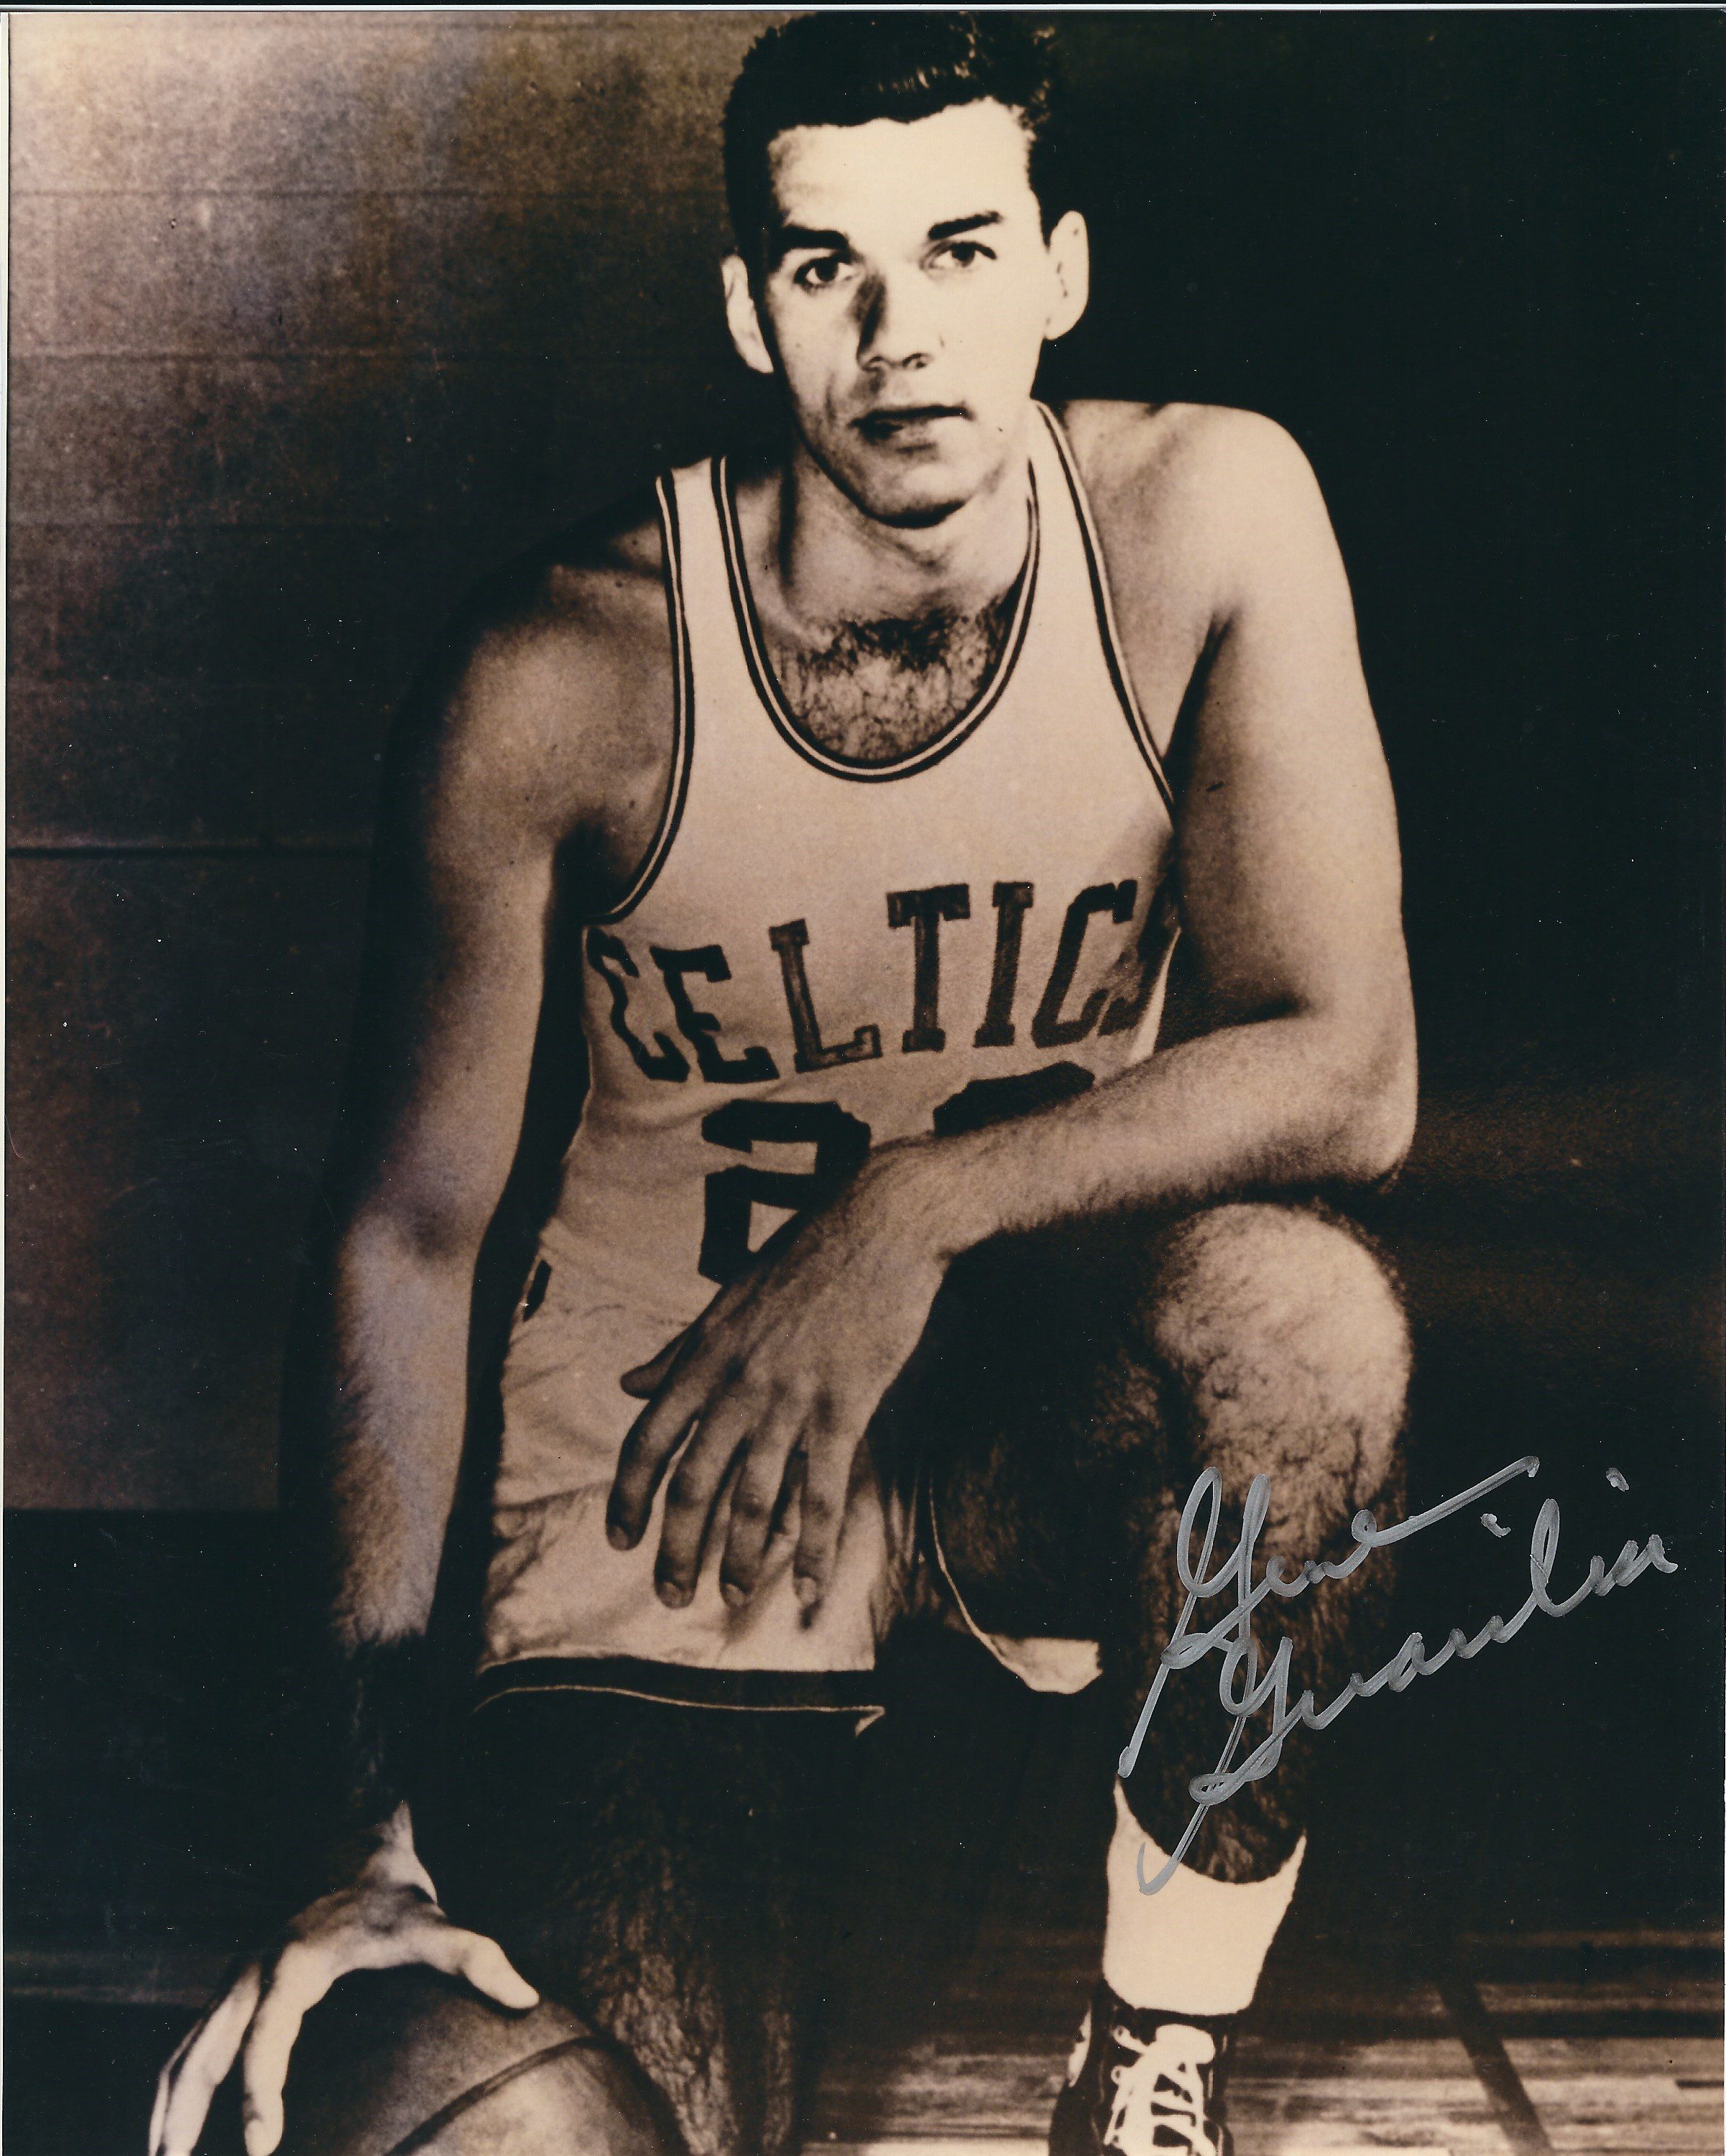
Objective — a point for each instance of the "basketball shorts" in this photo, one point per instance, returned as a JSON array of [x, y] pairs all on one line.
[[566, 1611]]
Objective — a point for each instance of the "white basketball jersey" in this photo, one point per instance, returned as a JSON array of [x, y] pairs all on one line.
[[818, 955]]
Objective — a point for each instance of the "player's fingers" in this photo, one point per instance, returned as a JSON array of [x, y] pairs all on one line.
[[790, 1494], [158, 2110], [263, 2074], [484, 1965], [200, 2066], [756, 1499], [826, 1482], [691, 1493], [300, 1980], [644, 1380], [648, 1451], [165, 2083]]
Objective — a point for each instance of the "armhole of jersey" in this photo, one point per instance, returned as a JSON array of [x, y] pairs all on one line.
[[1112, 653], [683, 713]]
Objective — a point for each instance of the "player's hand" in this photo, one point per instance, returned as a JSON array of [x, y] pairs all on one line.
[[786, 1367], [387, 1918]]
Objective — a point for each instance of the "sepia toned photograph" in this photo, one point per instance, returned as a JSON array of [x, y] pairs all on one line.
[[864, 1154]]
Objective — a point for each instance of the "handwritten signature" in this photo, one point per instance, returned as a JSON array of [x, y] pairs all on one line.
[[1243, 1691]]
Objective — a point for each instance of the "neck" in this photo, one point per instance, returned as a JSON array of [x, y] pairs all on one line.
[[826, 561]]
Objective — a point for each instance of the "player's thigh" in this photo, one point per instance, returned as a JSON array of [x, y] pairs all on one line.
[[1021, 1348], [1069, 1376]]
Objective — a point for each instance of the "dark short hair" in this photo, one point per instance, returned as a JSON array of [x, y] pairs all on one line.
[[841, 70]]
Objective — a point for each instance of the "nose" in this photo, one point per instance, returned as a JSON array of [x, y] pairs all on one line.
[[894, 326]]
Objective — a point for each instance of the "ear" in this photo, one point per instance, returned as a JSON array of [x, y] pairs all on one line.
[[740, 318], [1070, 258]]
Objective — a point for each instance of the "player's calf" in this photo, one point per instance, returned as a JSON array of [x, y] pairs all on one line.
[[659, 1869], [1268, 1341]]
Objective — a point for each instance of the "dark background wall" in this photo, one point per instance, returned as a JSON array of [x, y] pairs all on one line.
[[316, 318]]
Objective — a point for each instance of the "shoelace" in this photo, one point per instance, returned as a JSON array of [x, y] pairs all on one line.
[[1162, 2084]]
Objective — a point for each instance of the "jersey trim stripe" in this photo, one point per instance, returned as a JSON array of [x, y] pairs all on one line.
[[683, 715], [767, 688], [681, 1683], [1106, 613]]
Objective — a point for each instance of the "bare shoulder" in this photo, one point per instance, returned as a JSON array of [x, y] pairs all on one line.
[[550, 710], [1193, 493], [1159, 456]]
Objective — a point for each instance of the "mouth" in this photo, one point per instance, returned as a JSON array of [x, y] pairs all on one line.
[[905, 425]]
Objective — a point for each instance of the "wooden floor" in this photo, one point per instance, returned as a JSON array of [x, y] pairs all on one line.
[[1609, 2044]]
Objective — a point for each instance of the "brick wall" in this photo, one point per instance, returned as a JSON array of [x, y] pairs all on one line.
[[314, 319]]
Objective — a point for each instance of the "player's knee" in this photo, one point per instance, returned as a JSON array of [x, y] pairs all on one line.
[[1283, 1342]]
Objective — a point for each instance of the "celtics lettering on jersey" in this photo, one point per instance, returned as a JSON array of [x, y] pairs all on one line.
[[1053, 1025], [662, 1008]]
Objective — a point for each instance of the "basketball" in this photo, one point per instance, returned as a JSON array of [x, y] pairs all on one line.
[[409, 2063]]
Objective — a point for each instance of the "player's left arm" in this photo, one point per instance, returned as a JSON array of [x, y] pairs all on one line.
[[1290, 886]]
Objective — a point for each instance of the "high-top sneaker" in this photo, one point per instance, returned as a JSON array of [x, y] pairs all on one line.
[[1143, 2083]]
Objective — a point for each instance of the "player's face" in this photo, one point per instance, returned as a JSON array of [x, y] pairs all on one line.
[[906, 296]]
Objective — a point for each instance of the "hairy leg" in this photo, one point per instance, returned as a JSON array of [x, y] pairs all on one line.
[[658, 1869], [1080, 1385]]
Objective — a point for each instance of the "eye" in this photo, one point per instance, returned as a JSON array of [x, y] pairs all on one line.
[[820, 273], [961, 253]]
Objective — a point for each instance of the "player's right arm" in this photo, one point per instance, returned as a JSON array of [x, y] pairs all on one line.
[[495, 802]]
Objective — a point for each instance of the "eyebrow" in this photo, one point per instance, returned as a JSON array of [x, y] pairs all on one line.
[[789, 238], [794, 239], [955, 225]]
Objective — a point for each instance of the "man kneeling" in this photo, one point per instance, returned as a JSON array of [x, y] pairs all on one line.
[[891, 1273]]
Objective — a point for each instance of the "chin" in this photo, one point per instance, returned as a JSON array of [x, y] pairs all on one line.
[[910, 497], [912, 512]]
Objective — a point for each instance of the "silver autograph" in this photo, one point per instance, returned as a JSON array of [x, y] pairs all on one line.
[[1243, 1691]]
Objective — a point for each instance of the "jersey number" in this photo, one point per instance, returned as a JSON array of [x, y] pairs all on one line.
[[842, 1144]]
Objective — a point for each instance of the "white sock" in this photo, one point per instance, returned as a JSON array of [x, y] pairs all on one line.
[[1196, 1945]]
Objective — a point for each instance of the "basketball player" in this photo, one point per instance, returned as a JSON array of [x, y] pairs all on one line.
[[892, 1272]]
